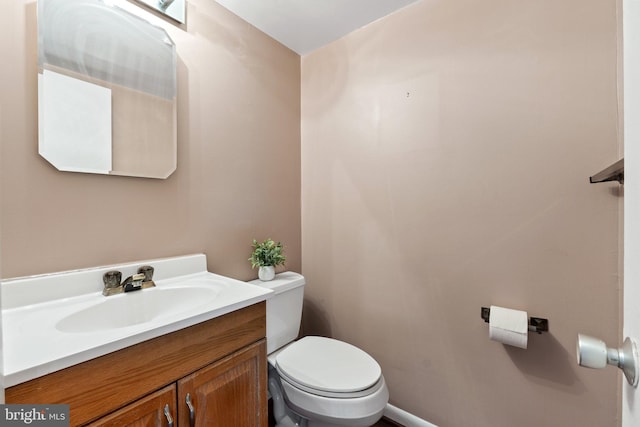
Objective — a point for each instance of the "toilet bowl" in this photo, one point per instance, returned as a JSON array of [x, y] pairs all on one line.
[[316, 381], [330, 382]]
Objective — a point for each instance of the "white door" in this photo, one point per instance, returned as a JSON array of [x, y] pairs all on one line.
[[631, 55]]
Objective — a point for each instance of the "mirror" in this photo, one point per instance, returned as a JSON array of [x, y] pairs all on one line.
[[106, 90]]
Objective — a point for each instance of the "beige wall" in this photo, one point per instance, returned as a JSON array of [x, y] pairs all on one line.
[[238, 174], [446, 151]]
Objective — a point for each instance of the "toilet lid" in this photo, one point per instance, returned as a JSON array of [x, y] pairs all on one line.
[[328, 365]]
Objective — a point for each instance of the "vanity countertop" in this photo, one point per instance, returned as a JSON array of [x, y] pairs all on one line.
[[54, 321]]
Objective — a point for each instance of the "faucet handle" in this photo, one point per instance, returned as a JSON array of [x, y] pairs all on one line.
[[112, 279], [147, 270]]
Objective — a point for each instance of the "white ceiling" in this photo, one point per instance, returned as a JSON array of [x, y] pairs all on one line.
[[305, 25]]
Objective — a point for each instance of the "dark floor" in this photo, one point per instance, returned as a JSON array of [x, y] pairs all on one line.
[[386, 423]]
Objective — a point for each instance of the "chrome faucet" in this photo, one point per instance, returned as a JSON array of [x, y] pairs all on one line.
[[135, 282]]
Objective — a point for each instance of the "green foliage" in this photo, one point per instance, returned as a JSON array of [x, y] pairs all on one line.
[[266, 253]]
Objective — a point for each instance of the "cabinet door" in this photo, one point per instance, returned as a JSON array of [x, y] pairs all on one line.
[[146, 412], [230, 392]]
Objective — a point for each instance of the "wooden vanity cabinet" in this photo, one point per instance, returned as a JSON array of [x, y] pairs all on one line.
[[226, 393], [221, 364]]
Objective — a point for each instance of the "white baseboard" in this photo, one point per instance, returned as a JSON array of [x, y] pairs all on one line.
[[404, 418]]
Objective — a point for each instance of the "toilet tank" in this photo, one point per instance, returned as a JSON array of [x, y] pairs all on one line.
[[284, 308]]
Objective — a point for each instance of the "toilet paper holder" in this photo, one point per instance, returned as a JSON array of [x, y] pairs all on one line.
[[536, 324]]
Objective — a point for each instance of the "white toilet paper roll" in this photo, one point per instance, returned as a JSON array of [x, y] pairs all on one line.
[[509, 326]]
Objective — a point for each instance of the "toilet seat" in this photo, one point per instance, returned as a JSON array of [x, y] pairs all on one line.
[[329, 368]]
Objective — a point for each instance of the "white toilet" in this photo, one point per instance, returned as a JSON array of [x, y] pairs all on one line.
[[316, 381]]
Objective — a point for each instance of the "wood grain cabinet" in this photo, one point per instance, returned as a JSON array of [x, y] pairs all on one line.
[[226, 393], [212, 374], [157, 409]]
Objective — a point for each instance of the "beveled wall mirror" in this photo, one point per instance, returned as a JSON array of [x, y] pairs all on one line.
[[106, 90]]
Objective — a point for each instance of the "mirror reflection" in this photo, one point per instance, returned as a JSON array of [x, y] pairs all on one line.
[[106, 90], [174, 9]]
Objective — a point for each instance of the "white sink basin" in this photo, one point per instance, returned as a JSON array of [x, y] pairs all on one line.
[[132, 308], [53, 321]]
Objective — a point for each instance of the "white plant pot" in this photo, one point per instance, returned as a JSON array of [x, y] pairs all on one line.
[[266, 273]]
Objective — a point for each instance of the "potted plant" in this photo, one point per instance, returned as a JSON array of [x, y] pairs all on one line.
[[266, 255]]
